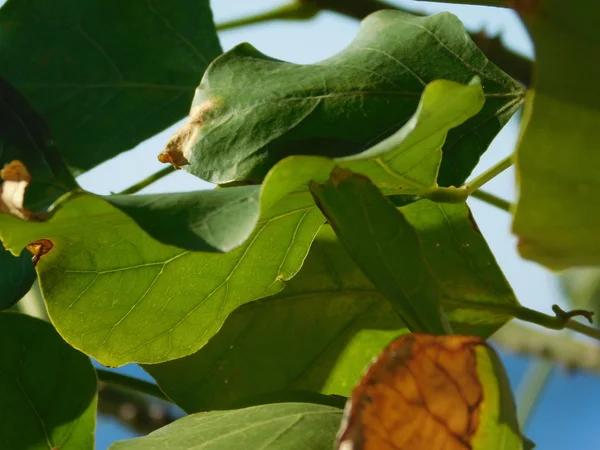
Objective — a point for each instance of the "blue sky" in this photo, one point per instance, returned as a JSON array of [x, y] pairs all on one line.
[[567, 413]]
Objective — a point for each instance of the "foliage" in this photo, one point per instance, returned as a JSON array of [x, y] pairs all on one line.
[[339, 224]]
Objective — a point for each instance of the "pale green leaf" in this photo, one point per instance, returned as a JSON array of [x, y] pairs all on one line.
[[557, 157], [287, 426], [120, 296]]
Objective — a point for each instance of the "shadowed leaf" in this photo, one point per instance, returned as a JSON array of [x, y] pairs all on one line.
[[48, 389], [106, 74]]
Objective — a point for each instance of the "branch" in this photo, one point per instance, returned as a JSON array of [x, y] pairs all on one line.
[[132, 383], [133, 410], [515, 65], [570, 353]]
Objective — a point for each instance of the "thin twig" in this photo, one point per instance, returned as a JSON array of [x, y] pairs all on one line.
[[128, 382], [142, 414], [292, 11], [491, 199], [148, 180]]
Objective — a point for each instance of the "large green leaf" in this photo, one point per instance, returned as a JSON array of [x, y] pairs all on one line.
[[106, 74], [120, 296], [48, 389], [385, 246], [269, 427], [557, 156], [251, 111], [320, 332]]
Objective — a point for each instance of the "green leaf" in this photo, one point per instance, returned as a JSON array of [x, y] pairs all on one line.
[[48, 389], [319, 333], [212, 220], [16, 278], [106, 74], [408, 161], [384, 245], [120, 296], [269, 427], [498, 428], [25, 137], [557, 157], [250, 110]]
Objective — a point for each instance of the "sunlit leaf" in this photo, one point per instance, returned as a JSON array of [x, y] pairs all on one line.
[[268, 427], [426, 392], [557, 156], [320, 332], [120, 296], [251, 110], [106, 74], [48, 389]]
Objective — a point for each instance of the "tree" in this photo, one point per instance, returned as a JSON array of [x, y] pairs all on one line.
[[338, 230]]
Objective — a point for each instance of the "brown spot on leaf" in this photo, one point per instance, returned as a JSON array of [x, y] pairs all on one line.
[[12, 191], [177, 150], [39, 249], [422, 393]]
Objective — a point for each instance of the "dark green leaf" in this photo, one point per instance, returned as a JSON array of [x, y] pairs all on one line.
[[216, 220], [557, 156], [48, 389], [25, 137], [251, 110], [384, 245], [106, 74], [287, 426], [16, 277], [320, 332], [120, 296]]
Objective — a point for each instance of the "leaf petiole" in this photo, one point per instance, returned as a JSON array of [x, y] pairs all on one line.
[[128, 382], [473, 185], [297, 10]]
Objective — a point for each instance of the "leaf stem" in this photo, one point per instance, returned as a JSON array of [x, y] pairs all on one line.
[[473, 185], [560, 321], [296, 10], [531, 387], [148, 181], [128, 382], [491, 199]]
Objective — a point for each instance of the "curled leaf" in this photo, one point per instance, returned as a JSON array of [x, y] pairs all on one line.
[[428, 392]]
